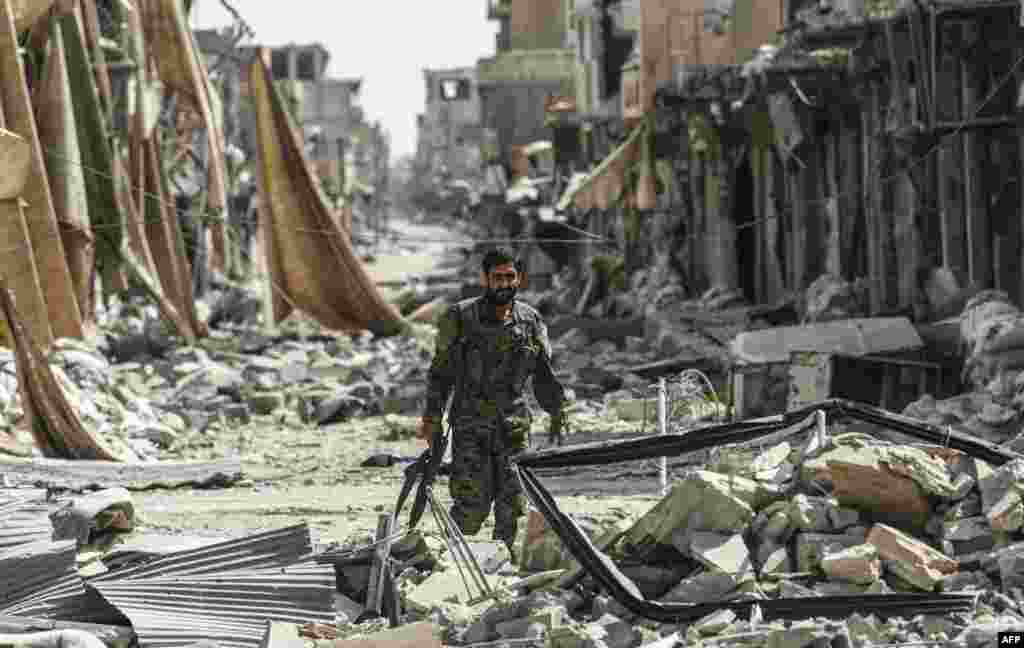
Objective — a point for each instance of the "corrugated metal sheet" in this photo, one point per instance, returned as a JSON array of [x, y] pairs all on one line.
[[275, 548], [25, 517], [37, 575], [143, 547], [230, 608]]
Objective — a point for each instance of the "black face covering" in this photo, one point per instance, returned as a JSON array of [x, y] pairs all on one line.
[[500, 296]]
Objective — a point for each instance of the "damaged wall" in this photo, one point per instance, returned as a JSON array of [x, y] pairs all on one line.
[[840, 163]]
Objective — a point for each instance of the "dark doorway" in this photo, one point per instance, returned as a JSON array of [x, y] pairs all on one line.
[[746, 235]]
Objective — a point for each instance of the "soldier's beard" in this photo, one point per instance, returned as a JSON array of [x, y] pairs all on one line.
[[500, 296]]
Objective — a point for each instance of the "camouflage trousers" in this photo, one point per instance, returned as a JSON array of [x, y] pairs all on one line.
[[482, 475]]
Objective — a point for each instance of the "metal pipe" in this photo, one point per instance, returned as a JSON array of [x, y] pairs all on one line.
[[663, 429]]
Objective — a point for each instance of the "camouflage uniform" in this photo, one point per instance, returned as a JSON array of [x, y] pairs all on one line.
[[485, 364]]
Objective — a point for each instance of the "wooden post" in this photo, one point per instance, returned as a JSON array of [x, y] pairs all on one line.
[[798, 239], [950, 171], [775, 284], [833, 249], [698, 237], [379, 568], [975, 165], [850, 212], [871, 197]]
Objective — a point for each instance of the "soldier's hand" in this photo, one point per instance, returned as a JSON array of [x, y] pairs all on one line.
[[428, 425]]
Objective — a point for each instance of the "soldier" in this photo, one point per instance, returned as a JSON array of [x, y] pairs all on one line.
[[487, 347]]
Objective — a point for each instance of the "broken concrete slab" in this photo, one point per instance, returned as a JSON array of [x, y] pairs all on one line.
[[859, 564], [1007, 514], [912, 560], [727, 504], [705, 587], [862, 480], [722, 552], [968, 535], [654, 580], [282, 635], [930, 472], [774, 559], [812, 547], [441, 586], [715, 623], [812, 513]]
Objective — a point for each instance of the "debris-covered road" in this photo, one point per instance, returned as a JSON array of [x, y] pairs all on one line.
[[260, 463]]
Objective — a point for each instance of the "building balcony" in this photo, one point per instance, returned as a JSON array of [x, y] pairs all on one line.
[[499, 9]]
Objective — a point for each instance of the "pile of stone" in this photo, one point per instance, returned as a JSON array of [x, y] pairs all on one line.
[[142, 394], [844, 514], [992, 331]]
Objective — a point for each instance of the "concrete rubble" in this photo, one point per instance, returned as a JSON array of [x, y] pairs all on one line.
[[846, 513]]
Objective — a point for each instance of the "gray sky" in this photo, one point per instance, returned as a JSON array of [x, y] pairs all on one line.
[[386, 42]]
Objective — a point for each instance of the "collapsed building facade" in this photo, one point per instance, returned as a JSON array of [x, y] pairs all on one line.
[[874, 143]]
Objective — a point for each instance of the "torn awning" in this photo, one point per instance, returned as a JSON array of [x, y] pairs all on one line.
[[310, 261], [605, 183]]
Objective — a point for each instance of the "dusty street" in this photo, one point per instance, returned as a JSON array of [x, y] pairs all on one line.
[[313, 474]]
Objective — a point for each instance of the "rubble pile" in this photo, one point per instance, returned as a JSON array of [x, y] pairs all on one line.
[[146, 396], [992, 333], [852, 516]]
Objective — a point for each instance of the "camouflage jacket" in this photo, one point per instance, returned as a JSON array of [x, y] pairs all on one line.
[[485, 363]]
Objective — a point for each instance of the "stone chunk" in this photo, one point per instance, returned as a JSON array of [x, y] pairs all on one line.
[[1008, 512], [727, 503], [968, 535], [725, 553], [702, 588], [281, 635], [811, 513], [774, 559], [618, 633], [812, 547], [961, 581], [912, 560], [716, 622], [862, 479], [928, 471], [859, 564]]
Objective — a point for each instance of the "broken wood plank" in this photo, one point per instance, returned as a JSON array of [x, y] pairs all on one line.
[[379, 567], [872, 197], [112, 636], [415, 635], [833, 238], [83, 475]]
